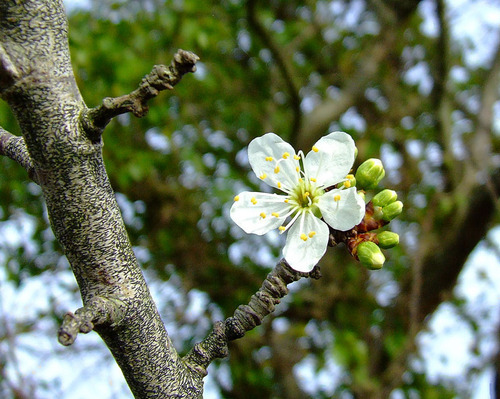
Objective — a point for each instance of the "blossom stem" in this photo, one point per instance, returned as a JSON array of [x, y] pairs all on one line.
[[246, 317]]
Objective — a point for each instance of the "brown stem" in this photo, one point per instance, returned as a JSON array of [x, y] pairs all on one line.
[[284, 67]]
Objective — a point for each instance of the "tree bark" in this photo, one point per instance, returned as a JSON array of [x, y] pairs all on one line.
[[65, 158]]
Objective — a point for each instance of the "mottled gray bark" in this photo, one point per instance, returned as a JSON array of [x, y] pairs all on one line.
[[63, 155]]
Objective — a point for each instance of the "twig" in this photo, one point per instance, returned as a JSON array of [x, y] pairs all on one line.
[[15, 148], [442, 99], [481, 145], [94, 120], [97, 311], [246, 317]]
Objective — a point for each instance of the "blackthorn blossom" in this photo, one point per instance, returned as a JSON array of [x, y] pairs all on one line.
[[310, 198]]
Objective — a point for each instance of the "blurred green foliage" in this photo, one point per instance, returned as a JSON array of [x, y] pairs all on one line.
[[300, 69]]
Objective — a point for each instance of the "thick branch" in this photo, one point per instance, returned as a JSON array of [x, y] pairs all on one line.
[[442, 263], [15, 148], [481, 145], [246, 317], [81, 204], [317, 121], [160, 78]]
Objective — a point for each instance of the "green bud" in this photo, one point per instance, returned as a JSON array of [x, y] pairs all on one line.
[[387, 239], [370, 173], [385, 197], [370, 255], [392, 211]]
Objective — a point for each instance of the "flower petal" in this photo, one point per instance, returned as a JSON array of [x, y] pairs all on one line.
[[306, 242], [259, 213], [342, 209], [274, 161], [333, 159]]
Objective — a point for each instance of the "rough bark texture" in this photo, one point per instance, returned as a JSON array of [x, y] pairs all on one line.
[[37, 81]]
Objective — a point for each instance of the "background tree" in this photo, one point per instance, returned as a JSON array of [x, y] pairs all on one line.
[[405, 91]]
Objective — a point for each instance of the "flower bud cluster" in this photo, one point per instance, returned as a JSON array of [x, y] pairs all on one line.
[[386, 205], [362, 241]]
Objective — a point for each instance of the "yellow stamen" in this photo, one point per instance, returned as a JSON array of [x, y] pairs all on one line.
[[269, 158], [263, 215], [307, 196], [312, 234], [263, 176], [287, 200], [237, 198], [275, 214], [276, 169], [296, 157], [278, 184], [350, 177], [313, 179], [286, 155], [336, 198], [297, 169], [303, 237], [347, 184], [253, 200], [282, 229], [315, 149]]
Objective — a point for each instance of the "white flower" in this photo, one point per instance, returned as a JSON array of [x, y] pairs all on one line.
[[303, 181]]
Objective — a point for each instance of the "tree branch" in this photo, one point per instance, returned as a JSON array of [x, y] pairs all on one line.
[[481, 146], [444, 105], [81, 204], [316, 122], [246, 317], [160, 78], [97, 311], [15, 148], [284, 67]]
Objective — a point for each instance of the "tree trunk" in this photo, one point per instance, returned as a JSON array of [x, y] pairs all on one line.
[[64, 157]]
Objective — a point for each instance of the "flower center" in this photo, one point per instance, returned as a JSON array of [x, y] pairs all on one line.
[[306, 194]]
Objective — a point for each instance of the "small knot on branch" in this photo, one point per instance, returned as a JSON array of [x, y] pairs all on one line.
[[97, 311], [72, 325], [185, 61]]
